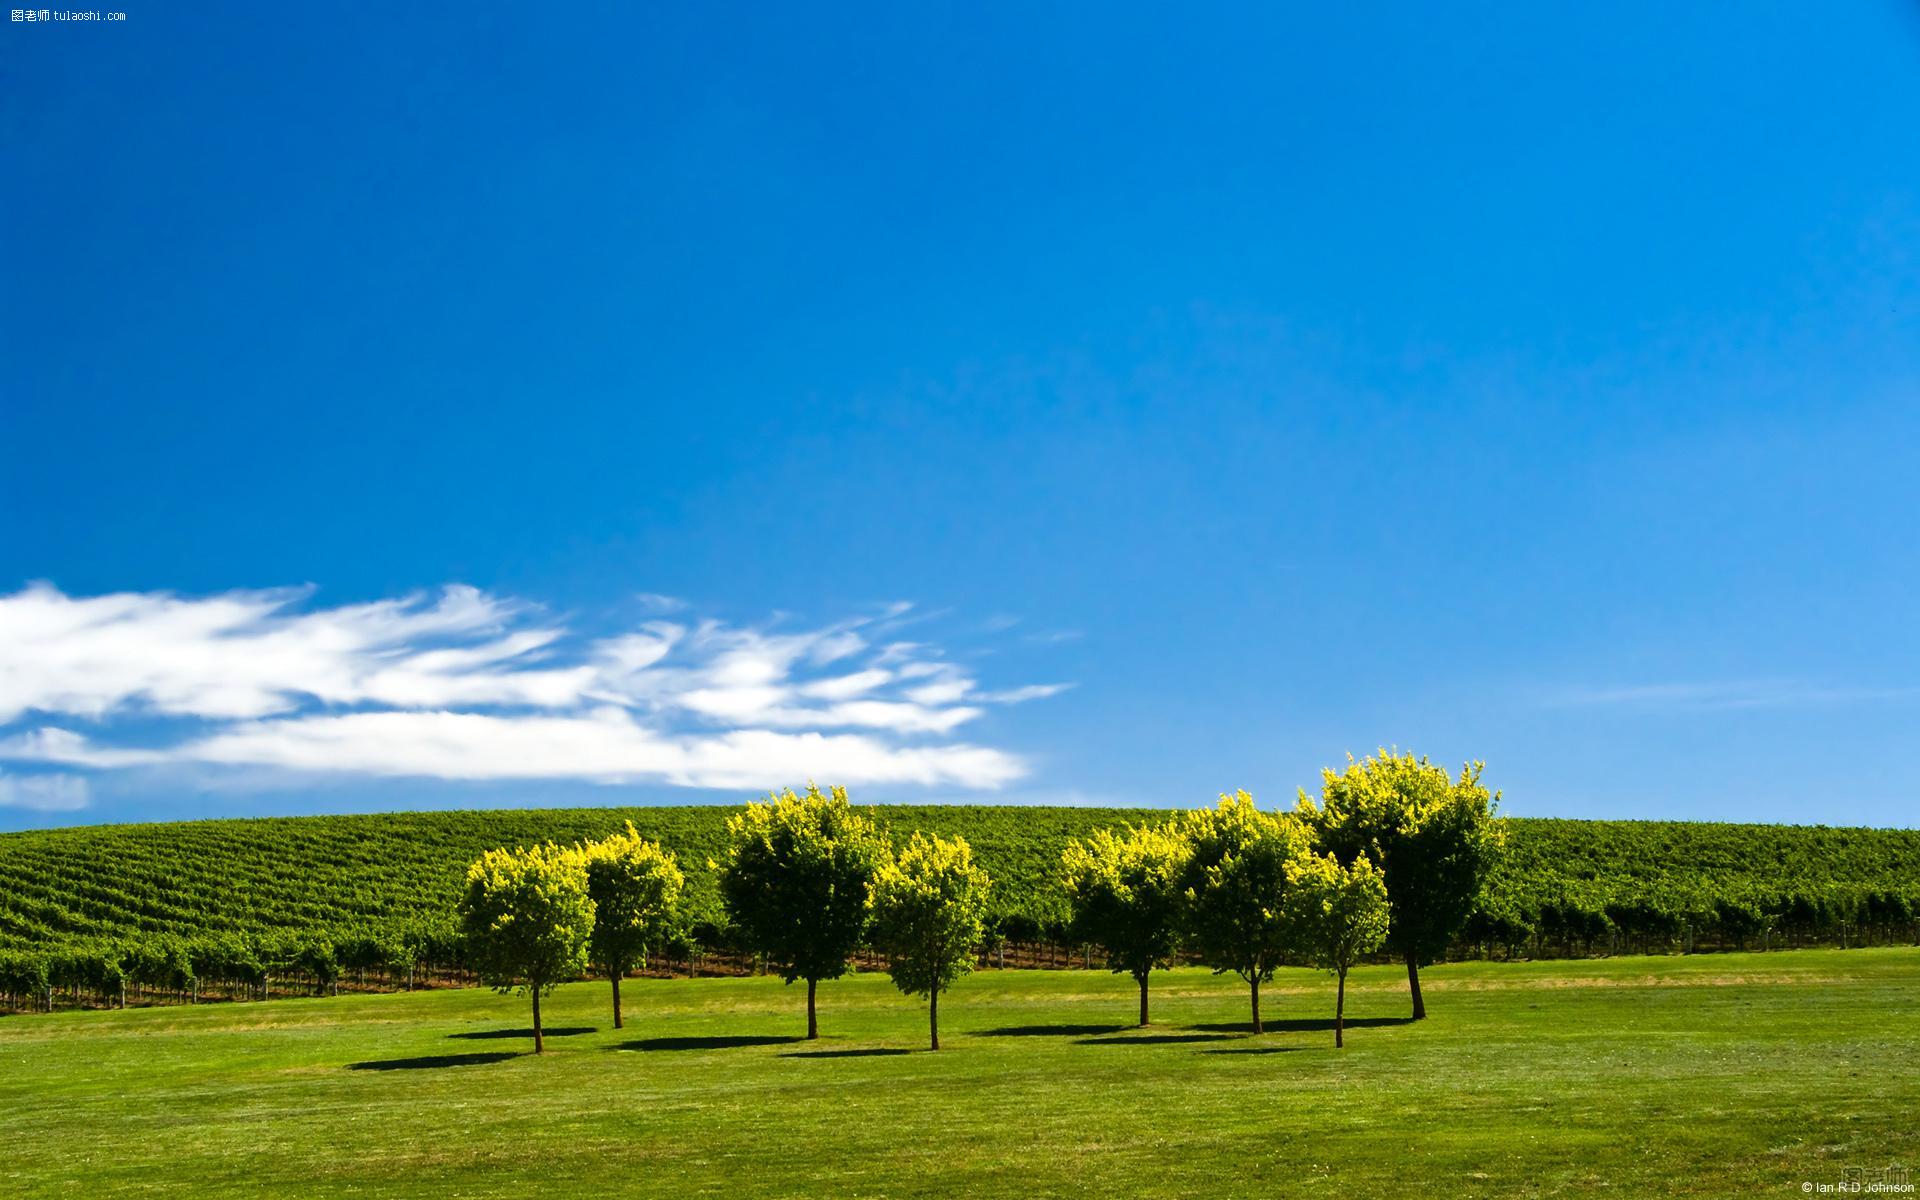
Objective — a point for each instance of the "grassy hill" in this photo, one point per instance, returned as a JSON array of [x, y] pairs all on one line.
[[297, 873], [1563, 888], [1566, 886]]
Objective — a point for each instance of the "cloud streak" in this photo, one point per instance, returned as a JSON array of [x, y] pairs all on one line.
[[1725, 695], [43, 793], [463, 685], [247, 654]]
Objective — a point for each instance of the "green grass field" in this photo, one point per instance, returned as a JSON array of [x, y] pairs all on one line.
[[1720, 1075]]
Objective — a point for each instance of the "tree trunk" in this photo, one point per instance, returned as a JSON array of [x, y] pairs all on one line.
[[1340, 1011], [1255, 981], [1143, 998], [539, 1041], [615, 976], [1413, 981], [933, 1016], [813, 1021]]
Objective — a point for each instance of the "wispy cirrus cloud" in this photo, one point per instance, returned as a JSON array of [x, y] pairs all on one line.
[[660, 602], [43, 792], [251, 654], [465, 685], [1726, 694]]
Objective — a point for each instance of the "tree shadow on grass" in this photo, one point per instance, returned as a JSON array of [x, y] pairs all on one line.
[[707, 1043], [476, 1035], [1307, 1025], [428, 1062], [1154, 1039], [1256, 1050], [873, 1052], [1051, 1030]]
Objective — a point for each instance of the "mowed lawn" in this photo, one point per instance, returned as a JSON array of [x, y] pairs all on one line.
[[1716, 1075]]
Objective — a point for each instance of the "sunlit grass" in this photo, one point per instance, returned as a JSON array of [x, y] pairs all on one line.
[[1712, 1075]]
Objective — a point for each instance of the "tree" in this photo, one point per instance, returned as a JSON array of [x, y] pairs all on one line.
[[1127, 896], [1235, 883], [929, 910], [795, 882], [1434, 839], [527, 918], [1338, 914], [635, 887]]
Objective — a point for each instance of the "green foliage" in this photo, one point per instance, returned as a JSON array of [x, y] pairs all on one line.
[[929, 908], [635, 887], [1127, 894], [1434, 838], [796, 877], [317, 958], [527, 917], [1338, 913], [24, 976], [1236, 884], [163, 963]]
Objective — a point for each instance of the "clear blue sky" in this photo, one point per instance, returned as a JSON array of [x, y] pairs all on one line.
[[1531, 383]]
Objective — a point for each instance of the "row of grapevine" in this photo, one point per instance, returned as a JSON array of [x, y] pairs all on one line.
[[168, 969], [84, 910]]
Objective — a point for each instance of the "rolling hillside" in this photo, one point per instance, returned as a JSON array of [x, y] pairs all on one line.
[[1565, 886]]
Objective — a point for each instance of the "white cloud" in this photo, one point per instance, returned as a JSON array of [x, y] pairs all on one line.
[[948, 690], [44, 793], [843, 687], [606, 745], [464, 685], [1020, 695], [52, 744], [246, 654]]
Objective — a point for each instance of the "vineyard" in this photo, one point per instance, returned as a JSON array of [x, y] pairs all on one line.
[[241, 908]]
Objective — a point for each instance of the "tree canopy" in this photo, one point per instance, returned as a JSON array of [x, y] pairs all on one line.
[[527, 918], [635, 886], [1338, 914], [795, 882], [929, 915], [1235, 883], [1127, 895], [1434, 838]]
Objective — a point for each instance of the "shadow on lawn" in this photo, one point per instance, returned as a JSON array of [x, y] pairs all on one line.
[[1154, 1039], [1051, 1030], [1308, 1025], [1255, 1050], [430, 1062], [874, 1052], [707, 1043], [476, 1035]]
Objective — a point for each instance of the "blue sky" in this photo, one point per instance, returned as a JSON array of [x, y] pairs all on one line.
[[437, 407]]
